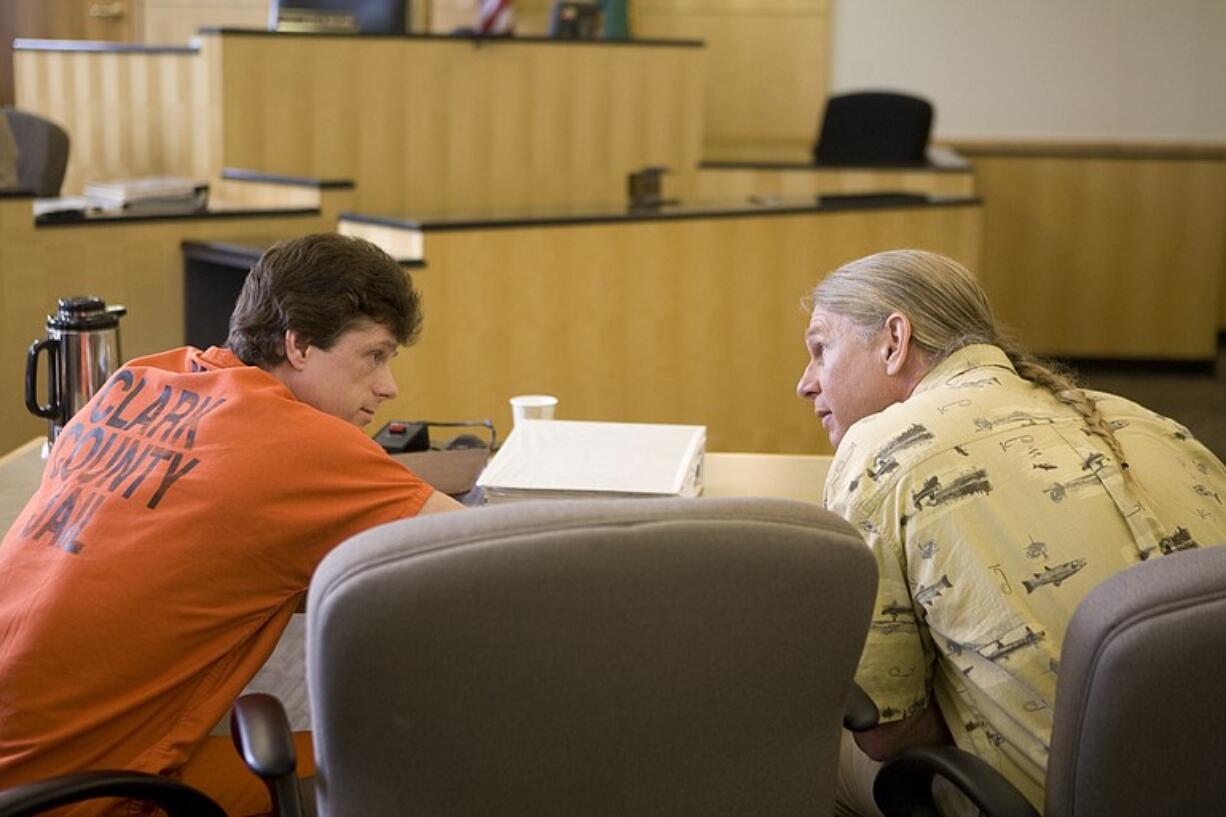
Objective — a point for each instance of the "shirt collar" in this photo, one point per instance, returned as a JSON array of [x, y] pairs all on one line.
[[962, 360]]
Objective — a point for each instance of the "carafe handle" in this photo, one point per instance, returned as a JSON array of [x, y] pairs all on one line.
[[52, 409]]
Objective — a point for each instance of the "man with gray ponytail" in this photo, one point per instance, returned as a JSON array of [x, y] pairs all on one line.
[[994, 493]]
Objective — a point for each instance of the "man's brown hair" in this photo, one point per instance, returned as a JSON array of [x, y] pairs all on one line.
[[320, 286]]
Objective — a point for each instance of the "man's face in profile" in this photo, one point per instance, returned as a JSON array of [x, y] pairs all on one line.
[[846, 377], [353, 377]]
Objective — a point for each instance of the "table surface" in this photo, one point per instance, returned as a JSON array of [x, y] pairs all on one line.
[[789, 476]]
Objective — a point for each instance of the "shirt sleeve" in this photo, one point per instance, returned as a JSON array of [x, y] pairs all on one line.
[[896, 666]]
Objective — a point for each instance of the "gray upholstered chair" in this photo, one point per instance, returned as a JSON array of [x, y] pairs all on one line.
[[1139, 712], [42, 152], [595, 658]]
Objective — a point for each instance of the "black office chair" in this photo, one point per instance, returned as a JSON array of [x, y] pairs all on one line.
[[42, 152], [873, 128], [261, 735], [1139, 707]]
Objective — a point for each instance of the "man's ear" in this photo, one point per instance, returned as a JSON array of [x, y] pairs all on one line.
[[896, 343], [295, 349]]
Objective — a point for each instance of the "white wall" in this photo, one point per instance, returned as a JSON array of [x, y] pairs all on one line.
[[1058, 69]]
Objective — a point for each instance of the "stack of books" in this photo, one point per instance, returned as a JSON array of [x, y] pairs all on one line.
[[564, 459], [151, 194]]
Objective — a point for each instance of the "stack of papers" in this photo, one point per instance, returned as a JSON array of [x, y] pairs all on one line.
[[563, 459], [148, 194]]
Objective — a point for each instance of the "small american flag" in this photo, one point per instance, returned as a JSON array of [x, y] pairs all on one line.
[[495, 17]]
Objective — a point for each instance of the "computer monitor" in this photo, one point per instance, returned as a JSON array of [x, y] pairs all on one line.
[[348, 16]]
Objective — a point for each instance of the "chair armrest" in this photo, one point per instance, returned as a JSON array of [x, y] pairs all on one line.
[[175, 798], [861, 713], [903, 787], [262, 736]]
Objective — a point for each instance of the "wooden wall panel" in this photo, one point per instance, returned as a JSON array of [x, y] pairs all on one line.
[[687, 321], [127, 114], [449, 125], [767, 64], [138, 264], [767, 72], [176, 22], [1106, 257], [116, 20]]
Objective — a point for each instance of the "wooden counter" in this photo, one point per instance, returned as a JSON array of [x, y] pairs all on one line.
[[946, 175], [688, 315], [418, 122], [131, 261]]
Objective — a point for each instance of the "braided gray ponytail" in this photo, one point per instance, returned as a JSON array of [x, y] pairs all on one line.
[[948, 310]]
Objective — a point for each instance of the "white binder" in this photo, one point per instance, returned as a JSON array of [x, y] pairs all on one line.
[[554, 459]]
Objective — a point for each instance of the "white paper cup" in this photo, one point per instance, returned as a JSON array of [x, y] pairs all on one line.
[[532, 407]]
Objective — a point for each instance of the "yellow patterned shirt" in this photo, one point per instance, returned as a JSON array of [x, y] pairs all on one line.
[[992, 512]]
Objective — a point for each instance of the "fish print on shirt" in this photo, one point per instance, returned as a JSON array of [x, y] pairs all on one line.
[[1022, 418], [1181, 539], [1054, 575], [933, 494], [928, 595], [999, 650], [1096, 463], [895, 618], [1036, 550], [884, 461], [1206, 492], [981, 383]]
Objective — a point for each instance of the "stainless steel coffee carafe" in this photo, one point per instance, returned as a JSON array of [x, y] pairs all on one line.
[[82, 347]]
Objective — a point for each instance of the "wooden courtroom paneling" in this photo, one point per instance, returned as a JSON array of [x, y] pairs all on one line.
[[1106, 257], [178, 21], [116, 20], [450, 125], [136, 264], [127, 113], [767, 64], [767, 73], [433, 124], [684, 321]]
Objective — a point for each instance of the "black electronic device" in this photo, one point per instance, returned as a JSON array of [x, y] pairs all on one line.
[[399, 437], [575, 20], [339, 16]]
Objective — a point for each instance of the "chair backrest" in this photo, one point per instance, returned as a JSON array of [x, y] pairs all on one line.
[[1140, 708], [588, 657], [874, 128], [42, 152]]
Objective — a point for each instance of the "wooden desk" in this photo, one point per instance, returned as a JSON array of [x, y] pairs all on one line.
[[946, 174], [789, 477], [776, 475], [20, 472], [679, 315]]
